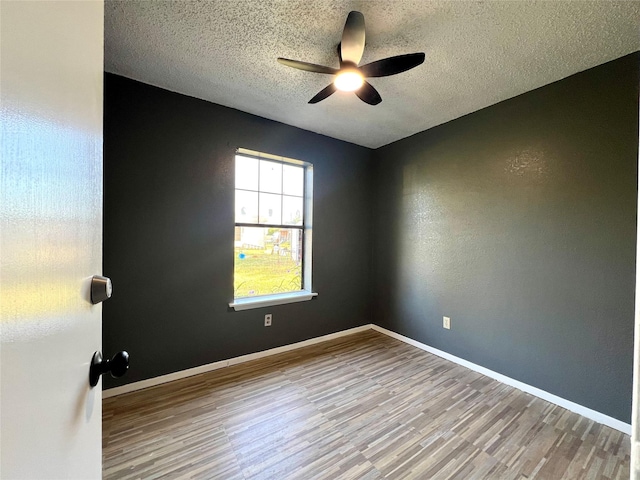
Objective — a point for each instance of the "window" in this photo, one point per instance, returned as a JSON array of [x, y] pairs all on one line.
[[272, 242]]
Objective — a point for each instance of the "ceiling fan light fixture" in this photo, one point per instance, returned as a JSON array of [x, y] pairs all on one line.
[[349, 80], [351, 77]]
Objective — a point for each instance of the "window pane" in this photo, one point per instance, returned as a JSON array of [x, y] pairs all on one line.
[[270, 208], [270, 177], [293, 180], [246, 207], [292, 210], [246, 173], [267, 261]]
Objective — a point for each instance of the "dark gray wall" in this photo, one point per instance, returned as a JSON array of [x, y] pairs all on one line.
[[519, 222], [169, 228]]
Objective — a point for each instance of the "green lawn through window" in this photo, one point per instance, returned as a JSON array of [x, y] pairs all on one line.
[[264, 272]]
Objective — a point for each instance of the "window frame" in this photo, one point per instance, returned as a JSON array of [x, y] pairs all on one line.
[[306, 293]]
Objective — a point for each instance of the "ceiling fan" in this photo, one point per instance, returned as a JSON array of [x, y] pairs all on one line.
[[350, 77]]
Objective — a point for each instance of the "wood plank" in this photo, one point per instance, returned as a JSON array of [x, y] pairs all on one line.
[[364, 406]]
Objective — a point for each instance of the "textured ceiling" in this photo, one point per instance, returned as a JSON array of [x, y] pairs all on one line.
[[477, 54]]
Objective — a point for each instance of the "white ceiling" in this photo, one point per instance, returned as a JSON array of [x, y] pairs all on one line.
[[477, 54]]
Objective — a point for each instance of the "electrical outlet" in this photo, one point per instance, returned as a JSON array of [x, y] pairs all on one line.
[[446, 323], [267, 319]]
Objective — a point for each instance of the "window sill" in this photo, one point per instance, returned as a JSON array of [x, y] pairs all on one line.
[[270, 300]]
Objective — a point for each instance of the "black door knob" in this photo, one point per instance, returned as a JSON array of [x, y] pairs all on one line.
[[117, 366]]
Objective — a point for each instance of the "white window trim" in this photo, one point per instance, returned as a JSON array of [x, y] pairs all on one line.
[[247, 303]]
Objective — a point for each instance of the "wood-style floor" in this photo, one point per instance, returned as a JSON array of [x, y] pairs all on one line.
[[360, 407]]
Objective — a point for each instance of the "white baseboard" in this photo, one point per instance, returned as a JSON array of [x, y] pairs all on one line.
[[569, 405], [170, 377], [549, 397], [152, 382]]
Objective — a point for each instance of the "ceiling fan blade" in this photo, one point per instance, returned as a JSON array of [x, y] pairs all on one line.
[[324, 93], [368, 94], [392, 65], [352, 44], [308, 67]]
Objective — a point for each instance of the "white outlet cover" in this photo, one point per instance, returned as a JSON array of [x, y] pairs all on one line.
[[446, 323]]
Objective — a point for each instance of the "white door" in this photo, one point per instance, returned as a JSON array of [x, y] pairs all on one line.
[[51, 77]]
